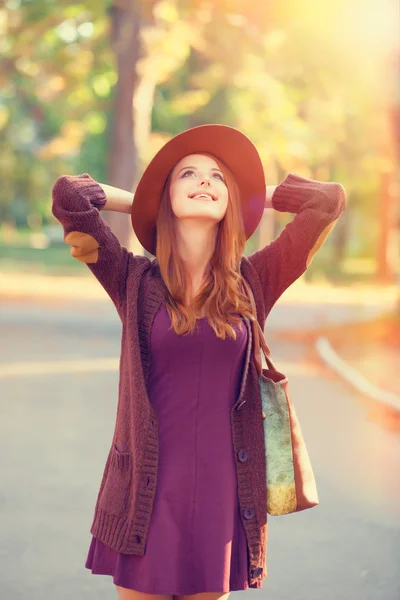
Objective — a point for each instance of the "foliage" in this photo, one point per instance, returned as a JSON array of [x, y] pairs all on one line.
[[297, 77]]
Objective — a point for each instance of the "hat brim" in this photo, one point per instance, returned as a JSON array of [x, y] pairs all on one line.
[[226, 143]]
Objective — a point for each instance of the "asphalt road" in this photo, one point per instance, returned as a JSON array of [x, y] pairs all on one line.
[[58, 397]]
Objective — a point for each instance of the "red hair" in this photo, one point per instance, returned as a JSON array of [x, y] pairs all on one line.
[[221, 293]]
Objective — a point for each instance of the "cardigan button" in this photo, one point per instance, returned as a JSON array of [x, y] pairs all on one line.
[[242, 455], [257, 572], [138, 539], [249, 513]]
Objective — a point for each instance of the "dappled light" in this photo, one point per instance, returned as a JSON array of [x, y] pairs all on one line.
[[95, 89]]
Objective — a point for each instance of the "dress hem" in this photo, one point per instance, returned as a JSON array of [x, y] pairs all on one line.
[[186, 593]]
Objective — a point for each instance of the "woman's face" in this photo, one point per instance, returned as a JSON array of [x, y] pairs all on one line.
[[198, 189]]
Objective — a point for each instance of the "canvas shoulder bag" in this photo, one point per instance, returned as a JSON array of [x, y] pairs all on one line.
[[290, 479]]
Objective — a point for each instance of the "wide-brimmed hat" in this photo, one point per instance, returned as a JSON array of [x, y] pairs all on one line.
[[225, 143]]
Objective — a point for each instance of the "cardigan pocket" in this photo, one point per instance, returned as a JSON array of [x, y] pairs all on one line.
[[115, 494]]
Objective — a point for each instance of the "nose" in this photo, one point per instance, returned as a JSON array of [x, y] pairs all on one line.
[[204, 179]]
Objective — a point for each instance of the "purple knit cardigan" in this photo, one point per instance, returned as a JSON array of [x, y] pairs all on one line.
[[134, 283]]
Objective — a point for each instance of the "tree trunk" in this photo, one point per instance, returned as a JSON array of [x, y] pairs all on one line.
[[388, 244], [123, 163]]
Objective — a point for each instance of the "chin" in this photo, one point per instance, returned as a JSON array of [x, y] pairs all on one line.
[[198, 214]]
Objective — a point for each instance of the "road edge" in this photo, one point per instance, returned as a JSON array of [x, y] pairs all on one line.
[[334, 361]]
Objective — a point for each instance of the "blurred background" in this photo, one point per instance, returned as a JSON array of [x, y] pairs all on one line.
[[98, 87]]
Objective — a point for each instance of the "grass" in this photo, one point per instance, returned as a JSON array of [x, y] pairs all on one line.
[[54, 260], [21, 257]]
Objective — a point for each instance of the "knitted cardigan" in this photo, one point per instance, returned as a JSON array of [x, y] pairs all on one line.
[[125, 499]]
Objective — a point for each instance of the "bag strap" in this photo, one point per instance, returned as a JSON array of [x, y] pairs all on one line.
[[258, 334]]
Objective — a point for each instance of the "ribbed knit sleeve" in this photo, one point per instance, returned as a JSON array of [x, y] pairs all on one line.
[[77, 200], [318, 206]]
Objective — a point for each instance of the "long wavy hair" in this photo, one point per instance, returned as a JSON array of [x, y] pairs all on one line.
[[221, 293]]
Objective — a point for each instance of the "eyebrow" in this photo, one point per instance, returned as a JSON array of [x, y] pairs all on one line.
[[192, 167]]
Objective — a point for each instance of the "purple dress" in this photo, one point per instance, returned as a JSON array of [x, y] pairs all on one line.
[[196, 539]]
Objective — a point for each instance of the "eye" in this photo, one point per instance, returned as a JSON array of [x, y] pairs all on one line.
[[220, 176], [186, 173]]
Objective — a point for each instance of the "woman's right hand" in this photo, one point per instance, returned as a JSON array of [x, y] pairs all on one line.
[[117, 199]]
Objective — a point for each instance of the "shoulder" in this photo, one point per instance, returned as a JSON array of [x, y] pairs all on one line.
[[145, 270], [139, 262], [138, 266], [248, 271]]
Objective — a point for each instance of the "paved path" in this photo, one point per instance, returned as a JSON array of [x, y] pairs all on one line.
[[58, 399]]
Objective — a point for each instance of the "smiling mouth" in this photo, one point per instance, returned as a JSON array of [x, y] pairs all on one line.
[[203, 196]]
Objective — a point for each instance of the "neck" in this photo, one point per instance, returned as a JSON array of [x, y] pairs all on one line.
[[196, 246]]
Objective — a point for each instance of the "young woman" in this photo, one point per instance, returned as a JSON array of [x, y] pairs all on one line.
[[181, 508]]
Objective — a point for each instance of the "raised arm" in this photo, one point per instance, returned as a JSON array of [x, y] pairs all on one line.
[[318, 206], [77, 201]]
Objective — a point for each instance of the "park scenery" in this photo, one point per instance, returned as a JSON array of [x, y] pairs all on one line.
[[98, 87]]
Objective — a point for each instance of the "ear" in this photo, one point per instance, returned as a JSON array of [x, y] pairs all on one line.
[[320, 240], [83, 246]]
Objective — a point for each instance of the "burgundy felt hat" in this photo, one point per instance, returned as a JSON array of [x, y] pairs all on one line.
[[226, 143]]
